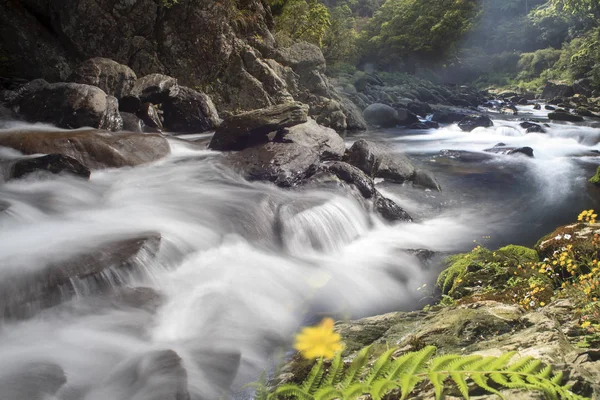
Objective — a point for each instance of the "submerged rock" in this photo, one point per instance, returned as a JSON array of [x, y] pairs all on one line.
[[51, 163], [253, 127], [67, 105], [471, 122], [93, 149], [531, 127], [113, 78]]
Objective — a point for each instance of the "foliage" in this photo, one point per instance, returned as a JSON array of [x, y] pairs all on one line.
[[596, 178], [405, 372], [531, 65], [169, 3], [306, 20], [339, 42]]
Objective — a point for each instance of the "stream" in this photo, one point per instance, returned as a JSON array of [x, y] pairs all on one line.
[[242, 265]]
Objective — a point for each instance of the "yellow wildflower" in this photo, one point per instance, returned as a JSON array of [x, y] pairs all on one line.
[[319, 341], [586, 324]]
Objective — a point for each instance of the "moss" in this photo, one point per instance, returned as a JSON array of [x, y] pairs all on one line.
[[519, 254], [596, 178]]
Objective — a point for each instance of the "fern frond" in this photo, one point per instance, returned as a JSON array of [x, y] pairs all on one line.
[[334, 374], [381, 388], [354, 371], [380, 366], [416, 363], [290, 390], [327, 393], [355, 390], [313, 380]]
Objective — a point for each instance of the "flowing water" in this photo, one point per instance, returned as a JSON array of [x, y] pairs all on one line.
[[241, 265]]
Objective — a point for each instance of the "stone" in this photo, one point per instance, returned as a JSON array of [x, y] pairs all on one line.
[[406, 117], [322, 140], [377, 161], [583, 86], [381, 115], [447, 115], [550, 108], [113, 78], [426, 180], [537, 107], [420, 108], [584, 112], [32, 381], [528, 151], [67, 105], [471, 122], [131, 123], [51, 163], [94, 149], [284, 164], [531, 127], [352, 175], [390, 211], [250, 128], [555, 89], [28, 292], [189, 111], [151, 116], [559, 115], [424, 125], [155, 88]]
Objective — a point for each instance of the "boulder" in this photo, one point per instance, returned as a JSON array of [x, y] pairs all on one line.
[[528, 151], [555, 89], [390, 211], [253, 127], [32, 381], [131, 123], [324, 141], [381, 115], [549, 107], [28, 292], [353, 176], [420, 108], [426, 180], [424, 125], [377, 161], [362, 79], [94, 149], [113, 78], [562, 115], [51, 163], [151, 116], [406, 117], [189, 111], [584, 112], [284, 164], [584, 87], [537, 106], [531, 127], [67, 105], [471, 122], [448, 115], [155, 88]]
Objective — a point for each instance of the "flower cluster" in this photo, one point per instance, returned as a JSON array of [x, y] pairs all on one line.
[[587, 216]]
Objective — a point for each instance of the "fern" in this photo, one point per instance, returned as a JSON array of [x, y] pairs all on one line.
[[407, 371]]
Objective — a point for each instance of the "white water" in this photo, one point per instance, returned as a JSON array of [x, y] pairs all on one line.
[[241, 265]]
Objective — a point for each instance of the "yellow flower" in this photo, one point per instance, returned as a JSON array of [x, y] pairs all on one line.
[[542, 304], [319, 341], [586, 324]]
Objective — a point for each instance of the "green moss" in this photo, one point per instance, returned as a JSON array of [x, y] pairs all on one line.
[[519, 254], [596, 178]]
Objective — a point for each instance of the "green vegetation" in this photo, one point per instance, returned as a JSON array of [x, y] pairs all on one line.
[[596, 178], [406, 372]]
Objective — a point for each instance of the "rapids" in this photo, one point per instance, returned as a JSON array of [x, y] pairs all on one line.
[[242, 265]]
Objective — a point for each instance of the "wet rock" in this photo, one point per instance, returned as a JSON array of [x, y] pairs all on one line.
[[352, 175], [151, 116], [528, 151], [189, 111], [361, 80], [471, 122], [390, 211], [420, 108], [67, 105], [584, 112], [130, 104], [562, 115], [113, 78], [381, 115], [537, 107], [94, 149], [51, 163], [32, 381], [427, 180], [28, 292], [532, 127], [377, 161], [465, 156], [555, 89], [131, 123], [155, 88], [155, 375], [424, 125], [406, 117], [550, 108], [449, 115], [284, 164], [583, 86], [250, 128], [324, 141]]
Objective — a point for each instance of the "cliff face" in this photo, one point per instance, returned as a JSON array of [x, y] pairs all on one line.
[[224, 47]]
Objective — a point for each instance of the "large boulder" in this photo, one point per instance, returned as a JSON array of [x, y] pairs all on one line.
[[94, 149], [563, 115], [67, 105], [155, 88], [378, 161], [381, 115], [471, 122], [584, 87], [325, 141], [51, 163], [390, 211], [555, 89], [284, 164], [113, 78], [189, 111], [253, 127]]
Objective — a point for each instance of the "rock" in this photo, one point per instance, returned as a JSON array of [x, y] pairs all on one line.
[[406, 117], [284, 164], [250, 128], [471, 122], [550, 108], [390, 211], [381, 115], [561, 115], [555, 89], [583, 86], [67, 105], [531, 127], [427, 180], [537, 107], [424, 125], [448, 115], [302, 57], [584, 112], [151, 117], [130, 104], [52, 163], [94, 149], [377, 161], [32, 381], [131, 123], [528, 151], [465, 156], [352, 175], [113, 78], [362, 79], [155, 88], [28, 292], [324, 141], [189, 111], [155, 375], [420, 108]]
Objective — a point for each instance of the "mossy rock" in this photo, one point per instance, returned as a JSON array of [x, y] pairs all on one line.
[[579, 235], [483, 270], [596, 178]]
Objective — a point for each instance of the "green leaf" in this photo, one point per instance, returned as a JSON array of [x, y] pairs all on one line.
[[313, 380], [354, 371]]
